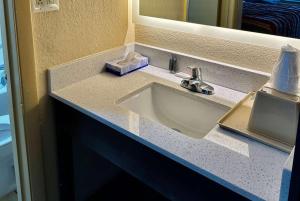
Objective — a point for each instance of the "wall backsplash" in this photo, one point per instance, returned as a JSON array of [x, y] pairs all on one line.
[[240, 54]]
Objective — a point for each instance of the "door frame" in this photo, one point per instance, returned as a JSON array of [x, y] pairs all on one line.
[[14, 90]]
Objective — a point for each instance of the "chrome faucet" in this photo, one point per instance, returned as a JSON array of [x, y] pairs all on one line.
[[173, 64], [196, 84]]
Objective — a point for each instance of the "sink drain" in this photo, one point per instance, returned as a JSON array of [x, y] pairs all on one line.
[[175, 129]]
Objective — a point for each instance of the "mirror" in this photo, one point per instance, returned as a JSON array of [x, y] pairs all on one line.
[[276, 17]]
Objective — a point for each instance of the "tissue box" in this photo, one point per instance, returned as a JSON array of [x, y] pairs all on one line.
[[133, 61], [275, 115]]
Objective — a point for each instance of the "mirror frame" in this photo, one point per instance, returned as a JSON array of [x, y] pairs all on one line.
[[252, 38]]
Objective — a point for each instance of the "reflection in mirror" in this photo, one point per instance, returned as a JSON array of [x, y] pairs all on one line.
[[276, 17]]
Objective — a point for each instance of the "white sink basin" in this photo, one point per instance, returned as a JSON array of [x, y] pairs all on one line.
[[188, 114]]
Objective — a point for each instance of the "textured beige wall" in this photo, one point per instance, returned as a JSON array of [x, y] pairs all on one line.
[[168, 9], [30, 105], [78, 29], [241, 54]]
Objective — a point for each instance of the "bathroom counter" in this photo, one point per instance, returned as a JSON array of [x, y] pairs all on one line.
[[245, 166]]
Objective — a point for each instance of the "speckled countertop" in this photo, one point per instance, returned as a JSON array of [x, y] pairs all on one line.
[[245, 166]]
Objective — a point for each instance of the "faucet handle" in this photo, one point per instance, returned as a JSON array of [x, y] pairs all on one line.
[[173, 64], [196, 73]]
